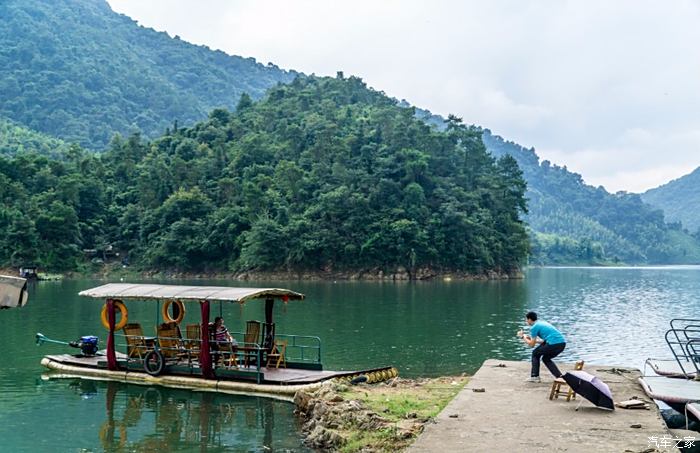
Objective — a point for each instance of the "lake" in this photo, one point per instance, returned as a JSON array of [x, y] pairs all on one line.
[[614, 316]]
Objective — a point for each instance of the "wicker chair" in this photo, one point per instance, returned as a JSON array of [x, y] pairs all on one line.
[[251, 340], [170, 342], [136, 345], [193, 341]]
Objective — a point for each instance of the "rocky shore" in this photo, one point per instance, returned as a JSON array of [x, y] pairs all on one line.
[[380, 417], [116, 270]]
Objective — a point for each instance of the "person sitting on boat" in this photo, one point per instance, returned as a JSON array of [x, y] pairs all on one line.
[[221, 334], [551, 344]]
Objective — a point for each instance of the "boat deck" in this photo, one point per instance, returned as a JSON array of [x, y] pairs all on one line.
[[273, 376], [671, 368], [669, 390]]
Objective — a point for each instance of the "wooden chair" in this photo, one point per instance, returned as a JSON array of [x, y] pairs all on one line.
[[170, 341], [228, 355], [277, 354], [193, 342], [251, 340], [560, 382], [136, 345]]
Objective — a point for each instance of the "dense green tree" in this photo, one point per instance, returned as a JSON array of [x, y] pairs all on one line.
[[322, 174]]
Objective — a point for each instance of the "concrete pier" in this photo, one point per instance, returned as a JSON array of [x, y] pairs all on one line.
[[513, 415]]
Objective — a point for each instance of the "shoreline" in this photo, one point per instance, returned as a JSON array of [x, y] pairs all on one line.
[[378, 275], [372, 275], [382, 417]]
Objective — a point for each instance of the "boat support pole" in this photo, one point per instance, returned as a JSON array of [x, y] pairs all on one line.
[[111, 355], [204, 353], [269, 340]]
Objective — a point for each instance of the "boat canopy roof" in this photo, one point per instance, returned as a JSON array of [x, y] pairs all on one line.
[[211, 293]]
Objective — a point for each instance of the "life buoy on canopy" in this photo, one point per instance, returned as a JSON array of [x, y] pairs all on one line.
[[118, 304], [178, 311]]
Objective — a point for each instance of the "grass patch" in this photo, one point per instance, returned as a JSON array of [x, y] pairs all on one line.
[[424, 398], [381, 440], [409, 404]]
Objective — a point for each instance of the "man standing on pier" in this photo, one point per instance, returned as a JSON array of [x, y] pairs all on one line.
[[551, 341]]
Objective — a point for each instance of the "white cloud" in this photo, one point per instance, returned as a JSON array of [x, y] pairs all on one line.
[[607, 88], [637, 160]]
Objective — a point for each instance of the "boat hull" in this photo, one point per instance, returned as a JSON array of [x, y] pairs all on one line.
[[281, 384]]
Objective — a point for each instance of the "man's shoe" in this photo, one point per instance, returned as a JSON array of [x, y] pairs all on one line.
[[535, 379]]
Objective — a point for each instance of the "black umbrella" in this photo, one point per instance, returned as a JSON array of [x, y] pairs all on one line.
[[591, 388]]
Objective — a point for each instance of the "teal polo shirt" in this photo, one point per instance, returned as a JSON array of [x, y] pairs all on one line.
[[547, 332]]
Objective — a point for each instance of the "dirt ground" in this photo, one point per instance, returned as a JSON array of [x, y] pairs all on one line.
[[383, 417]]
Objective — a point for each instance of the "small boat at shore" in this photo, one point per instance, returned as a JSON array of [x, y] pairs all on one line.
[[677, 393], [264, 362], [683, 340], [675, 381], [13, 292]]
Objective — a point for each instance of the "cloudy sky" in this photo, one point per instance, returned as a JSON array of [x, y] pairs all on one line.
[[609, 89]]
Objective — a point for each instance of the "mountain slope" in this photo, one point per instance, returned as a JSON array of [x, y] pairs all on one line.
[[79, 71], [679, 200], [16, 139], [321, 175], [575, 223]]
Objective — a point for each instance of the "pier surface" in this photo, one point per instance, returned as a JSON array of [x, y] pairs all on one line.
[[513, 415]]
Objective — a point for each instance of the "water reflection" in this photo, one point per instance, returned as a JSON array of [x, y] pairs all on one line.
[[609, 316], [155, 419]]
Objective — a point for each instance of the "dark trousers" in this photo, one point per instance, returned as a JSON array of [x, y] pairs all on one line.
[[547, 352]]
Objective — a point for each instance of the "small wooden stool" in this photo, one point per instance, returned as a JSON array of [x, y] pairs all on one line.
[[559, 382]]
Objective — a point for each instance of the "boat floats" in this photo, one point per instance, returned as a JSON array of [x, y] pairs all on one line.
[[259, 360]]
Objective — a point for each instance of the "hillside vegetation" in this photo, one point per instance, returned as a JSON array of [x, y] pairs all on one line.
[[575, 223], [16, 139], [77, 70], [679, 200], [322, 174]]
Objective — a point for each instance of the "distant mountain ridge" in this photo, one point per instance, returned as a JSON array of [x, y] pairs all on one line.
[[77, 70], [574, 223], [679, 199]]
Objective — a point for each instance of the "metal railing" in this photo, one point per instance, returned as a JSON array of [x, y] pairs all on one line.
[[306, 347], [299, 349], [683, 339]]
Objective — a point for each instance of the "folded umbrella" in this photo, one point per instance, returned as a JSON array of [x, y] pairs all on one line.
[[591, 388]]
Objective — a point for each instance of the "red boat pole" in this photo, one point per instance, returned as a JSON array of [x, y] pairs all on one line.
[[204, 353], [111, 355]]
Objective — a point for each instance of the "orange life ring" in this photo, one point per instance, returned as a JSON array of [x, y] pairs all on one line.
[[122, 309], [178, 312]]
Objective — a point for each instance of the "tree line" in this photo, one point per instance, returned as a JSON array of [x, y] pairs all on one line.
[[321, 174]]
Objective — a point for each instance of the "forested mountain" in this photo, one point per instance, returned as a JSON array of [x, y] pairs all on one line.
[[679, 199], [574, 223], [77, 70], [18, 139], [322, 174]]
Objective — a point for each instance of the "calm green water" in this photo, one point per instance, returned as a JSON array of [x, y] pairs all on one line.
[[612, 316]]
